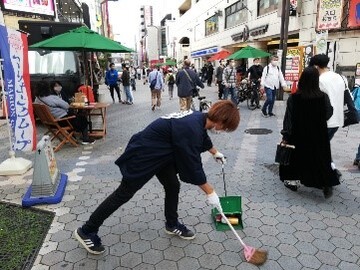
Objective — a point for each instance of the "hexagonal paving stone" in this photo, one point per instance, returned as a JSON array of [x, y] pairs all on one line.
[[60, 236], [152, 256], [209, 261], [119, 249], [187, 263], [160, 243], [67, 245], [166, 265], [231, 258], [214, 248], [140, 246], [328, 258], [130, 260], [288, 250], [88, 264], [289, 263], [129, 237], [194, 250], [173, 253], [75, 255], [53, 257]]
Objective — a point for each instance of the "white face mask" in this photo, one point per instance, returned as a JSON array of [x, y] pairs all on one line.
[[57, 89], [274, 63], [233, 64]]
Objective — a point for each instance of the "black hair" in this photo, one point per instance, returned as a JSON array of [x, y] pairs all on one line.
[[42, 89], [111, 64], [308, 85], [52, 84], [320, 60]]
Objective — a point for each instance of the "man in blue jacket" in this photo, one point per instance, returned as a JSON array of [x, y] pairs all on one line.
[[169, 146], [111, 80], [187, 81]]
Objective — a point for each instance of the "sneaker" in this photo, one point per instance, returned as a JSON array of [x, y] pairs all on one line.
[[264, 114], [181, 231], [91, 241], [271, 114], [356, 162], [292, 185], [258, 106], [153, 108], [88, 141]]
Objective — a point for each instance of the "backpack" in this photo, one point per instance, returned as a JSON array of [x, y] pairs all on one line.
[[267, 70], [171, 79]]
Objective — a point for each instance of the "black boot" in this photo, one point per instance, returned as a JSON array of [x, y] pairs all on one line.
[[328, 192]]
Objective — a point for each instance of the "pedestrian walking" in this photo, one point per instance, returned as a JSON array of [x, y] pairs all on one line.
[[111, 80], [170, 80], [271, 79], [334, 86], [157, 76], [305, 127], [187, 81], [219, 79], [133, 78], [254, 75], [125, 79], [163, 149], [229, 81], [210, 73]]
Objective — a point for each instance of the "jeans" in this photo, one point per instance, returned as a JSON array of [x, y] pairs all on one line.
[[331, 132], [230, 90], [129, 97], [167, 177], [270, 100]]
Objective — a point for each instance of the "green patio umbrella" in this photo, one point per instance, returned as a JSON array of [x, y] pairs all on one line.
[[80, 39], [167, 63], [248, 52]]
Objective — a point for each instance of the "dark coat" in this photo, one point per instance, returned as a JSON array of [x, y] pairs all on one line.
[[184, 85], [305, 127], [176, 139]]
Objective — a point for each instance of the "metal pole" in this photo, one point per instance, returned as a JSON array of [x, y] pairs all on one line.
[[286, 10]]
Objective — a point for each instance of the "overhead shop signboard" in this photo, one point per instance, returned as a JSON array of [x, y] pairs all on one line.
[[329, 14], [354, 13], [41, 7], [204, 52]]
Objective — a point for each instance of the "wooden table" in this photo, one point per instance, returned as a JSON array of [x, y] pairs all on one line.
[[94, 110]]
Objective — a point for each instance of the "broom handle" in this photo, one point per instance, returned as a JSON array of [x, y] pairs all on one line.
[[232, 228]]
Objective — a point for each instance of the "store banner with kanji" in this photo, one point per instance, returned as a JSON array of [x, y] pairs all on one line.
[[354, 13], [14, 52], [329, 14]]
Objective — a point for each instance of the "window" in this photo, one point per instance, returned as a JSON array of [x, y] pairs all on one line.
[[60, 62], [267, 6], [236, 14], [212, 25]]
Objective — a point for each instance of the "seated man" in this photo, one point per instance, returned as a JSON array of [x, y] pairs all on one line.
[[59, 109]]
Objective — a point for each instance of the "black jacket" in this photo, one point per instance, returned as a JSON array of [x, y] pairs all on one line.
[[185, 85]]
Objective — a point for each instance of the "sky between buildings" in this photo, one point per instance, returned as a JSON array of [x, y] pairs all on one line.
[[124, 16]]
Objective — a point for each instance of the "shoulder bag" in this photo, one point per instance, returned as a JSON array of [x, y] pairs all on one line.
[[195, 91], [283, 153], [350, 113]]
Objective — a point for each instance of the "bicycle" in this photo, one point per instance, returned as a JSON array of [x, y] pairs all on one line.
[[248, 91], [204, 104]]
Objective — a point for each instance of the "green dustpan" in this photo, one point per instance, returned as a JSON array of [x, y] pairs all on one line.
[[231, 206]]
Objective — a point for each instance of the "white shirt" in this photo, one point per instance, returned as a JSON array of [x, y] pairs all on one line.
[[272, 77], [333, 85]]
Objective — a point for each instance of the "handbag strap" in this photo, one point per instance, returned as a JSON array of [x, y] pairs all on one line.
[[187, 74]]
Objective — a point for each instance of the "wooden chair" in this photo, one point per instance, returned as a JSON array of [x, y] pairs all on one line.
[[63, 133]]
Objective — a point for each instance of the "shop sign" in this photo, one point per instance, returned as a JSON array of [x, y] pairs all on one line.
[[357, 71], [293, 65], [329, 14], [204, 52], [42, 7], [244, 35], [354, 13]]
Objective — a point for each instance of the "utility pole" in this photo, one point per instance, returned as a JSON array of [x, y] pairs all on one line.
[[284, 33]]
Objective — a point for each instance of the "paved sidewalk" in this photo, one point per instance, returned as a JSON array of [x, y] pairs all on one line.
[[301, 230]]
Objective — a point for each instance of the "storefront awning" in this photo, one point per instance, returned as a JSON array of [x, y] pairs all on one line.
[[204, 52]]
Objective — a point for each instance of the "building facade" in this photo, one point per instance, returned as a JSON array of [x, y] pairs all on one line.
[[204, 27]]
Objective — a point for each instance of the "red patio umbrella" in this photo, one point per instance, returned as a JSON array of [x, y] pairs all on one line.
[[219, 55]]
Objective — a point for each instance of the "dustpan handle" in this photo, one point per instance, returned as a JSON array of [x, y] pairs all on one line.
[[223, 176], [232, 228]]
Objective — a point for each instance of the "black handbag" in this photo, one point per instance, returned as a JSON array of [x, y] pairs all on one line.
[[283, 153], [350, 114]]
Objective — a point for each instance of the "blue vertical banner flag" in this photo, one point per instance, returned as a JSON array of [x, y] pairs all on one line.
[[14, 52]]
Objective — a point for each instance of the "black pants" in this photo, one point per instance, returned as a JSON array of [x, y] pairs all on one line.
[[220, 89], [79, 123], [117, 89], [127, 189]]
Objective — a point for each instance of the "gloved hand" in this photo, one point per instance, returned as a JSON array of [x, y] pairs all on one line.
[[213, 199], [219, 157]]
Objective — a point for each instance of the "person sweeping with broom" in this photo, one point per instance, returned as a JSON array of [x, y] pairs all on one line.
[[169, 146]]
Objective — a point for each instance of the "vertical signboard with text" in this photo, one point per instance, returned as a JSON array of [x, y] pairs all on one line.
[[329, 14], [293, 67], [354, 13]]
